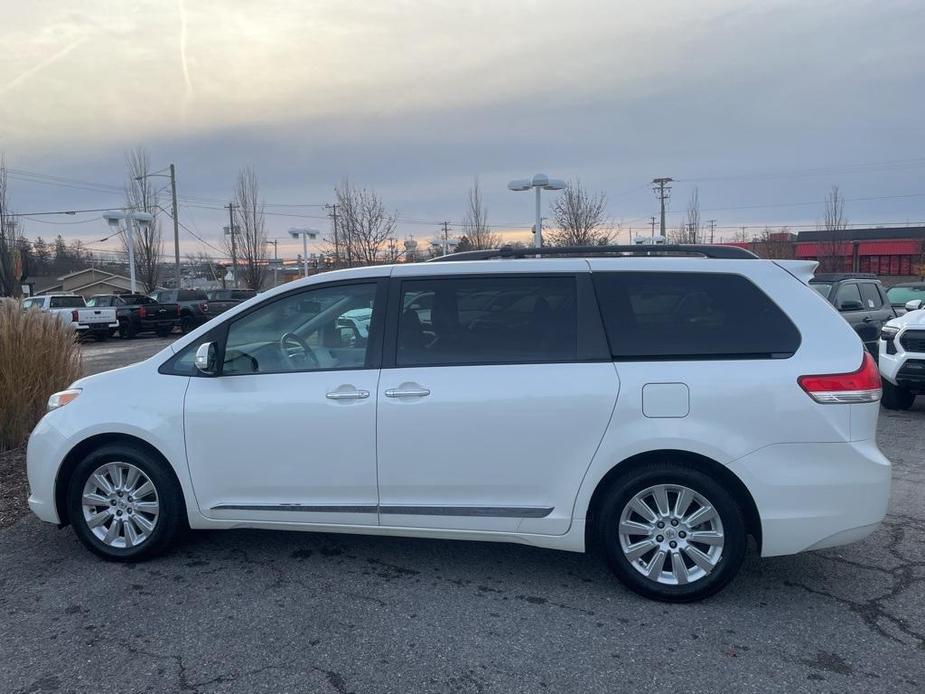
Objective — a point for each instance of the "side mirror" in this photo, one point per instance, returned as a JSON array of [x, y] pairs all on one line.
[[914, 305], [850, 305], [207, 359]]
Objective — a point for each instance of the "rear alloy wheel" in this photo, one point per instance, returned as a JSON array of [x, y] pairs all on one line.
[[894, 397], [672, 533], [123, 504]]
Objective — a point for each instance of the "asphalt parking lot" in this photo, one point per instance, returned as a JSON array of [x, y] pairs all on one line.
[[252, 611]]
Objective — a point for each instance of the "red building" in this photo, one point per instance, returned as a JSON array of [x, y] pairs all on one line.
[[895, 253]]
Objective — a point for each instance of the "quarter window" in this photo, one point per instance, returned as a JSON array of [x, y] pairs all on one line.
[[871, 296], [686, 315], [487, 320], [320, 329]]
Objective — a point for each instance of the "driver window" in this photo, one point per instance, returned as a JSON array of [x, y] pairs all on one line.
[[318, 329]]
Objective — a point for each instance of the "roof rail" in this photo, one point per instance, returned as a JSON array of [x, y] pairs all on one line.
[[704, 250]]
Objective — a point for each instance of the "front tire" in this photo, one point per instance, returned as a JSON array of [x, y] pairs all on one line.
[[186, 324], [671, 532], [124, 503], [895, 398]]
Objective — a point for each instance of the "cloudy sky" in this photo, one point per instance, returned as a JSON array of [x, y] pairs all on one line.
[[761, 106]]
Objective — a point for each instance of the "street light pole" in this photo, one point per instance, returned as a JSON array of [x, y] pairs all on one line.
[[305, 234], [131, 219], [539, 182], [176, 222]]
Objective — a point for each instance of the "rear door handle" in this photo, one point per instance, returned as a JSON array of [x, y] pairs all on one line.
[[407, 392], [867, 319], [347, 395]]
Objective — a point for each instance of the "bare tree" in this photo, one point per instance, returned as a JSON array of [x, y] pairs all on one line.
[[834, 234], [10, 243], [141, 195], [250, 229], [689, 228], [365, 225], [475, 222], [773, 244], [579, 216]]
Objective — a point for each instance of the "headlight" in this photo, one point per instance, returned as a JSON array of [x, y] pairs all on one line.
[[62, 398], [888, 333]]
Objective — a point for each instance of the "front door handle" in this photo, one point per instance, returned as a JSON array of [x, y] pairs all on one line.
[[407, 392], [867, 319], [347, 395]]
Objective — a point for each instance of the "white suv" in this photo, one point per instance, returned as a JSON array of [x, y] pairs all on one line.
[[661, 406], [902, 357]]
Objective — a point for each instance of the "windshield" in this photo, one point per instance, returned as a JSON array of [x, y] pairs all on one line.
[[821, 287], [900, 295]]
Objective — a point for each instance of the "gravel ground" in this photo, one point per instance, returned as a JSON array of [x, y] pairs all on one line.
[[251, 611]]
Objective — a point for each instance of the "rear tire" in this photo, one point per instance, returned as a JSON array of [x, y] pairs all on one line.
[[896, 398], [102, 486], [126, 330], [700, 554], [186, 324]]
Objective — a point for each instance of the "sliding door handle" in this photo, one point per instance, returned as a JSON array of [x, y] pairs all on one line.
[[407, 392], [347, 395]]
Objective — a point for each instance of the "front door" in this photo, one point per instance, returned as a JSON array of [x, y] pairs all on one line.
[[286, 432], [488, 419]]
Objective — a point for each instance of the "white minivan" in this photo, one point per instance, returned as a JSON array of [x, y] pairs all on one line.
[[662, 404]]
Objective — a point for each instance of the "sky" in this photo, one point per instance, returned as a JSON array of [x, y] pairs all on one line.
[[762, 107]]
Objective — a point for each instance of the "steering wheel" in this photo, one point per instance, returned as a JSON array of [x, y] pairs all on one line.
[[295, 347]]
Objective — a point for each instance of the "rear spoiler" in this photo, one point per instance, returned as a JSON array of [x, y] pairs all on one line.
[[803, 270]]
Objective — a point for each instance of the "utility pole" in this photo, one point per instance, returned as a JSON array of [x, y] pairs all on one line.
[[663, 192], [712, 223], [446, 237], [275, 243], [333, 216], [234, 259], [176, 222], [652, 221]]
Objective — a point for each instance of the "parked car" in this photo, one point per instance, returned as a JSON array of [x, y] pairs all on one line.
[[902, 357], [662, 407], [901, 294], [861, 300], [195, 307], [72, 309], [138, 313], [220, 300]]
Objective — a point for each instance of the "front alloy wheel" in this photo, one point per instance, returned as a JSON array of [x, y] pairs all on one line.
[[124, 502], [120, 505]]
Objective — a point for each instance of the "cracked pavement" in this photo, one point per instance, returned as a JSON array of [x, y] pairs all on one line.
[[256, 611]]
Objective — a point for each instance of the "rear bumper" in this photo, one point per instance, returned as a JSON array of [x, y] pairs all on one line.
[[95, 327], [815, 495]]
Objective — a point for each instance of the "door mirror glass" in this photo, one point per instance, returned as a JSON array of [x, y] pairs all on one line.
[[914, 305], [207, 359]]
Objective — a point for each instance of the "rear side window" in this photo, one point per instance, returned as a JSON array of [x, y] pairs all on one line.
[[487, 320], [191, 295], [870, 294], [67, 302], [691, 315]]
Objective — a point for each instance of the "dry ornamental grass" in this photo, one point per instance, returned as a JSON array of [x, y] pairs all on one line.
[[38, 356]]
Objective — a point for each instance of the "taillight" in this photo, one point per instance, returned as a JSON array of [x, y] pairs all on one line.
[[74, 317], [142, 312], [858, 386]]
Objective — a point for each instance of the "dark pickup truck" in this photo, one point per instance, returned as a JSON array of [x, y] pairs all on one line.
[[223, 299], [196, 306], [138, 313], [861, 300]]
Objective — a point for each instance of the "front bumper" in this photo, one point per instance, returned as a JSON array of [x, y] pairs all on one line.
[[47, 448], [815, 495]]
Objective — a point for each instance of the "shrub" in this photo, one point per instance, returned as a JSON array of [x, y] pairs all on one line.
[[38, 356]]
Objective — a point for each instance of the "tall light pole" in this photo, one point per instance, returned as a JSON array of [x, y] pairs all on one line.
[[176, 219], [539, 182], [131, 218], [306, 234]]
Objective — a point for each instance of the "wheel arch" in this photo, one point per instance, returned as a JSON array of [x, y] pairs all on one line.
[[87, 446], [716, 469]]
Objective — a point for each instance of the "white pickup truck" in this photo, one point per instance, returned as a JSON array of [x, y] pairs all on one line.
[[72, 309]]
